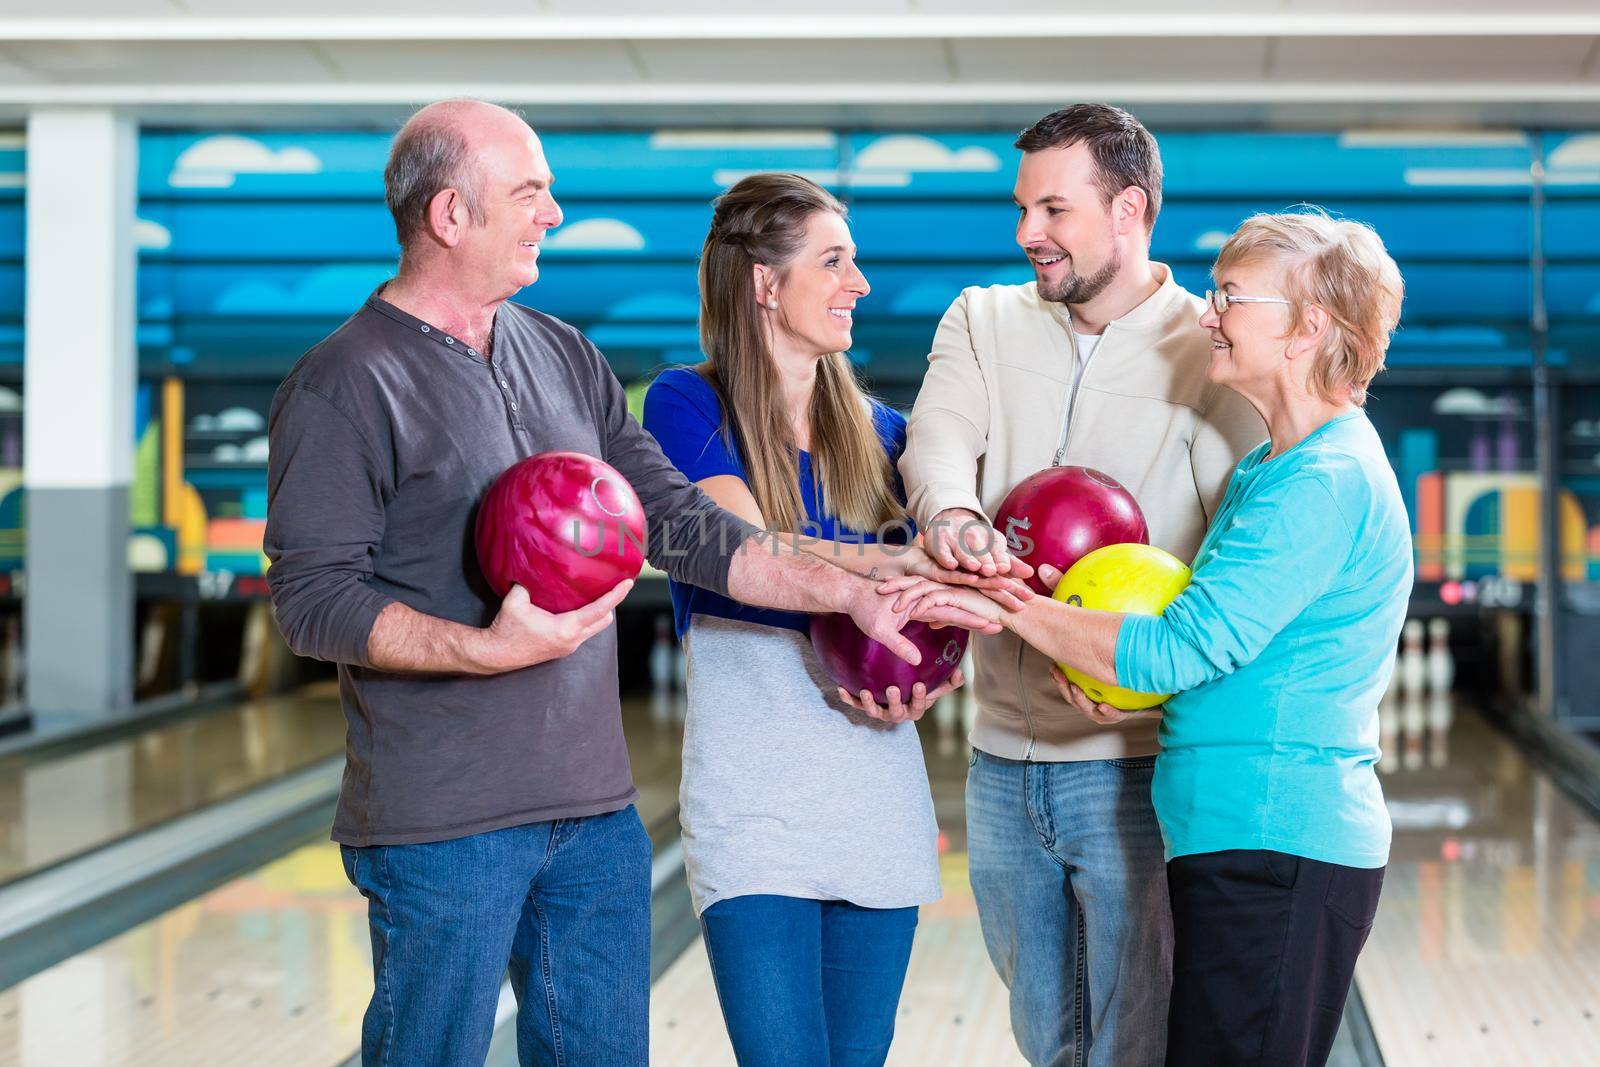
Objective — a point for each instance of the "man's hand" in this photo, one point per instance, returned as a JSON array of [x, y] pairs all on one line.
[[897, 711], [523, 634], [1104, 714], [959, 539]]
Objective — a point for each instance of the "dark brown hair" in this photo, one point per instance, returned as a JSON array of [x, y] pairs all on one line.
[[1124, 153]]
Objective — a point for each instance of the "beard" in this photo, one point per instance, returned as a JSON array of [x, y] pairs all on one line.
[[1077, 288]]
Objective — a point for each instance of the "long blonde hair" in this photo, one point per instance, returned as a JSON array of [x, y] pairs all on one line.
[[762, 219]]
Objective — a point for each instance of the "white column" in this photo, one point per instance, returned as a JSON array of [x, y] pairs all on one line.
[[78, 411]]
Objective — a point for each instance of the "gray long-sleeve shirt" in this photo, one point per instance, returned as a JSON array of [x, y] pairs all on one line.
[[384, 438]]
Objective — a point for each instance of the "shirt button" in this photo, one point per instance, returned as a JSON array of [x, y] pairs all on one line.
[[513, 405], [504, 384], [449, 340], [427, 329], [472, 351]]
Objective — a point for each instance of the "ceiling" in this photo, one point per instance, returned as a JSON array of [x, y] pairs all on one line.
[[621, 62]]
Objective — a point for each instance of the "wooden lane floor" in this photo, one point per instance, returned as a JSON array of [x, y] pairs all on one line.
[[1486, 947], [57, 807], [1485, 951], [273, 968]]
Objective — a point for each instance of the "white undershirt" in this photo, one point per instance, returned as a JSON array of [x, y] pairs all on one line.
[[1086, 344], [1086, 347]]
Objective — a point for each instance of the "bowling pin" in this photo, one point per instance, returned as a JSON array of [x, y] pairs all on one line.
[[1479, 448], [16, 661], [662, 712], [661, 656], [1505, 444], [1413, 724], [1441, 665], [1413, 661]]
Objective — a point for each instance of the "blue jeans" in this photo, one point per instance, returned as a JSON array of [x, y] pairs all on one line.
[[808, 983], [566, 904], [1071, 889]]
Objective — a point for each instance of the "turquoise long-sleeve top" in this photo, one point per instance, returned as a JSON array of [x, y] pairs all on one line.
[[1279, 651]]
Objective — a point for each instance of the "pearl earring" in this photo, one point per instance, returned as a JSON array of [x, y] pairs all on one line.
[[773, 304]]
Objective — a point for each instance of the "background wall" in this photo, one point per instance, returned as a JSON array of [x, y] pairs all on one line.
[[255, 244]]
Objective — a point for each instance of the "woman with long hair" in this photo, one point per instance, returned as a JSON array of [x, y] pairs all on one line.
[[808, 828]]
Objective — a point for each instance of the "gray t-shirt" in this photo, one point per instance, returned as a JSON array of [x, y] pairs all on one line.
[[384, 438]]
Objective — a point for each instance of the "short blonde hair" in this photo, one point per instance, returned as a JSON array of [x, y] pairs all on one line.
[[1342, 267]]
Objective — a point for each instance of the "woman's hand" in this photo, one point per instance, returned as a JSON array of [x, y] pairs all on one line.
[[897, 711], [1104, 714], [1008, 590], [943, 605], [1049, 576]]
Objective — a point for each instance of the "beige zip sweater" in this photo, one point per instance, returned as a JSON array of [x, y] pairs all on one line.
[[997, 405]]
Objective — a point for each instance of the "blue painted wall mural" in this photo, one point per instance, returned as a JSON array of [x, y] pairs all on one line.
[[254, 245]]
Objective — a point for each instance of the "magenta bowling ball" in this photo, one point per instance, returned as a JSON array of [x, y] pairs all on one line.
[[856, 661], [1062, 514], [565, 526]]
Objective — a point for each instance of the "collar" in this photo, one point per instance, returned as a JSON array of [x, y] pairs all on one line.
[[428, 330], [1153, 311]]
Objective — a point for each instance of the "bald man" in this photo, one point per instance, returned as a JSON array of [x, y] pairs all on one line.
[[487, 807]]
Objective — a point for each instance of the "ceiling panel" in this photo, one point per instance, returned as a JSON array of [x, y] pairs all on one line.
[[165, 62], [1154, 60], [1448, 59], [509, 62], [63, 9], [734, 9], [12, 73], [1441, 7], [1218, 9], [344, 9], [794, 62]]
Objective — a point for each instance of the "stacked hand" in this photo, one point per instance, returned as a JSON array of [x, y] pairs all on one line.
[[927, 591], [961, 540]]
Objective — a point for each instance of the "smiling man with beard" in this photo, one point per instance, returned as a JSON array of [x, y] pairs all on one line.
[[1100, 362]]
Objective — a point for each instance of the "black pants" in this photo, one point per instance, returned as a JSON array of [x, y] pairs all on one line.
[[1264, 950]]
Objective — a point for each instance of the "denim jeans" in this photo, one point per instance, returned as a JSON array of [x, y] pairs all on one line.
[[1067, 871], [564, 904], [808, 983]]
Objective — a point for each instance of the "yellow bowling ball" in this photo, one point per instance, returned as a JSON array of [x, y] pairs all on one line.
[[1134, 579]]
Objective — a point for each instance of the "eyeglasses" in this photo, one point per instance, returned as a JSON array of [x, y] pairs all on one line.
[[1220, 300]]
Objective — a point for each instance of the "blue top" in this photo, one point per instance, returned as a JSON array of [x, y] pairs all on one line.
[[683, 413], [1279, 651]]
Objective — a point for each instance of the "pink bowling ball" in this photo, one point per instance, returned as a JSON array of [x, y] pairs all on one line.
[[856, 661], [1062, 514], [565, 526]]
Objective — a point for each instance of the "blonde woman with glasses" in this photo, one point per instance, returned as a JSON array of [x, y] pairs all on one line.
[[1273, 821]]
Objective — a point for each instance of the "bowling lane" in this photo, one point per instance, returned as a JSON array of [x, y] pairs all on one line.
[[274, 967], [1486, 947], [63, 805]]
